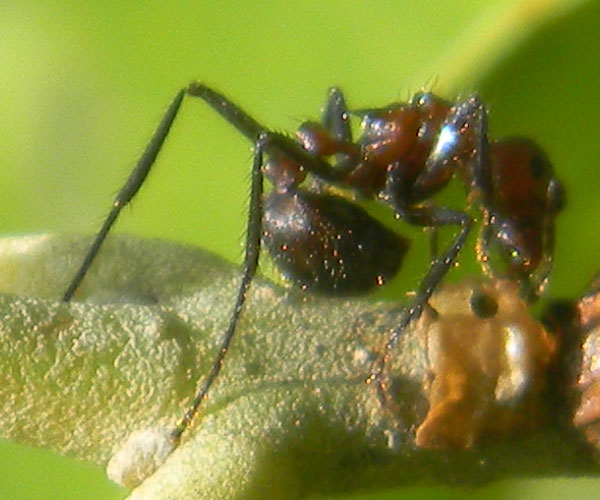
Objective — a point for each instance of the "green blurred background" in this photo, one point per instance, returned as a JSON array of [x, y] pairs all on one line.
[[83, 85]]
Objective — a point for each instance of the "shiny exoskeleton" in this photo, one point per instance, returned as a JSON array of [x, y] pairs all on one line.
[[406, 153]]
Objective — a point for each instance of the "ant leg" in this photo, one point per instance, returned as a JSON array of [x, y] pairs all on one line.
[[254, 131], [483, 243], [533, 285], [437, 165], [556, 200], [253, 238], [431, 217], [433, 242], [230, 112], [128, 191], [267, 141]]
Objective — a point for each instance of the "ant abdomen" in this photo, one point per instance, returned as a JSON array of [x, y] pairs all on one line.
[[328, 244]]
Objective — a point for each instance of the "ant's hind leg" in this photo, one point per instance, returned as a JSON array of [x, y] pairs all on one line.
[[128, 191], [226, 108], [251, 255]]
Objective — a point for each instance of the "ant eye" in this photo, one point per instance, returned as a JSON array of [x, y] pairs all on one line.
[[483, 305], [539, 165]]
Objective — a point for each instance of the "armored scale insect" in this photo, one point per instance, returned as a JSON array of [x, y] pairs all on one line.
[[406, 153]]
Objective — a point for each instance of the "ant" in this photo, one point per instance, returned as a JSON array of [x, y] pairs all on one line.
[[407, 152]]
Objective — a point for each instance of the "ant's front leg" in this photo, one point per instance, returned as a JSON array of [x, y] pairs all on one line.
[[555, 202], [466, 116], [535, 285], [428, 216], [482, 247]]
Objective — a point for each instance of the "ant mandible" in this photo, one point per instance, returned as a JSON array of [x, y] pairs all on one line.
[[407, 152]]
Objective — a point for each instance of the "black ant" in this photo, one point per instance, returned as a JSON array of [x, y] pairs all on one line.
[[407, 152]]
